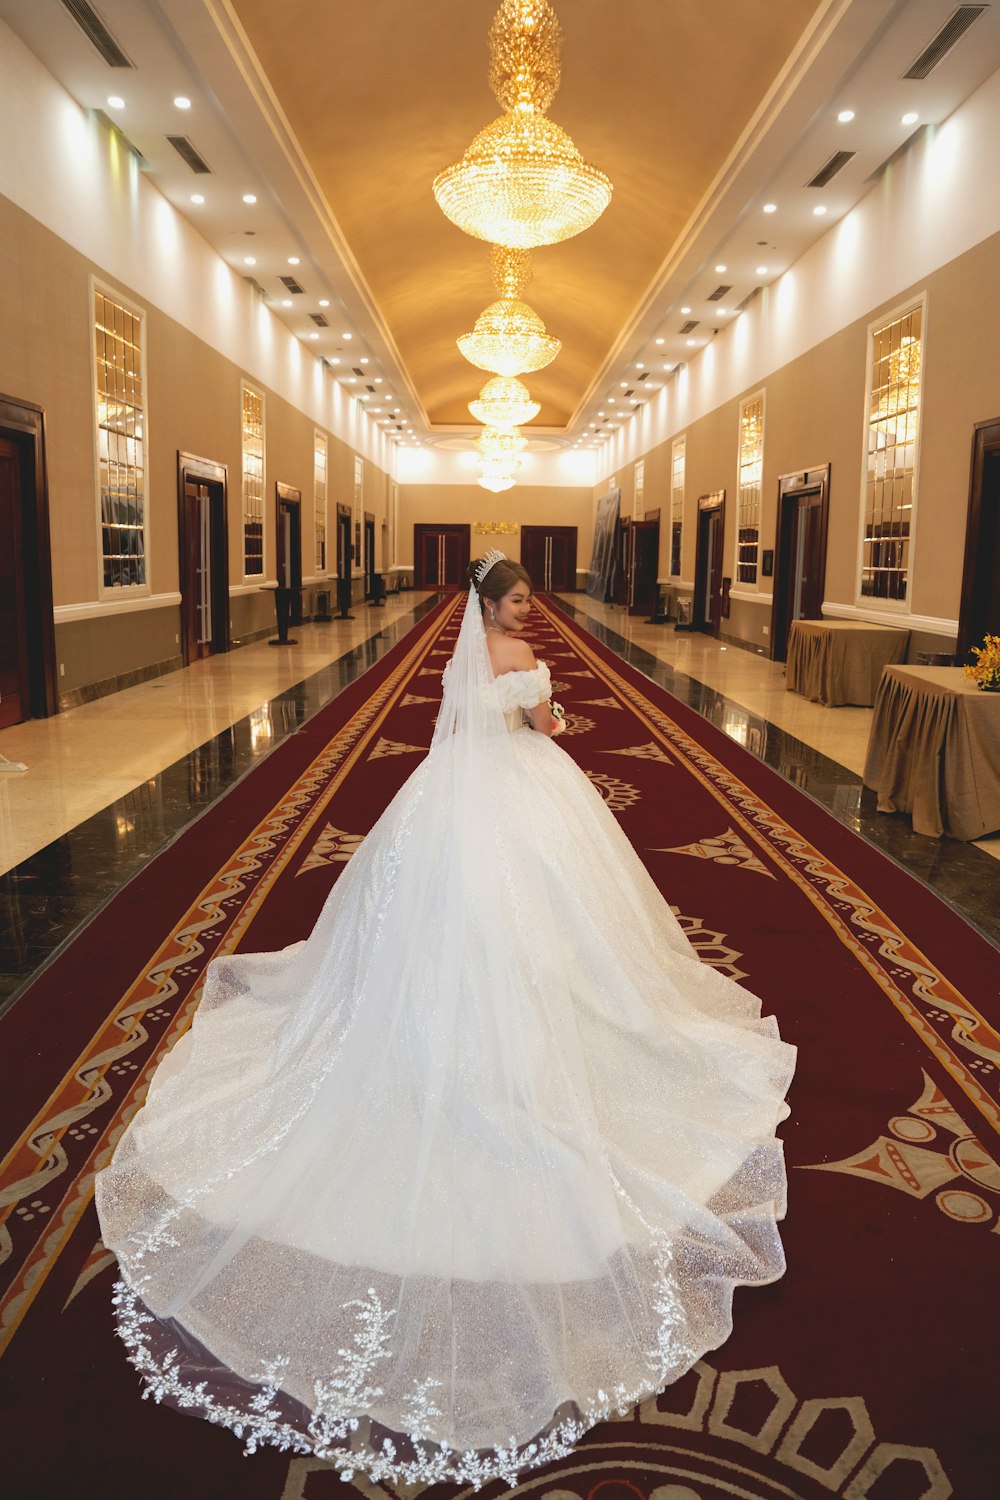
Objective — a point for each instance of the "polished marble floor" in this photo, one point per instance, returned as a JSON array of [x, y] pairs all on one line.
[[110, 783]]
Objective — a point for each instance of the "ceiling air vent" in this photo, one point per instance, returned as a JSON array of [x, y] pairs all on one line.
[[370, 388], [831, 168], [95, 31], [938, 48], [628, 394], [645, 373], [717, 295], [187, 153], [290, 284], [357, 370], [690, 325], [320, 320]]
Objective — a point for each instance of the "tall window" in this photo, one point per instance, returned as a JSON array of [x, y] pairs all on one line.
[[749, 486], [118, 333], [319, 483], [639, 489], [678, 460], [253, 483], [893, 418]]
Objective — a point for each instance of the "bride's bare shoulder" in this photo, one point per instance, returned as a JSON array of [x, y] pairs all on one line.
[[511, 656]]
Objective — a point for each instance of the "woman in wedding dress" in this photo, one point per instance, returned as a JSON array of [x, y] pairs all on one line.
[[479, 1163]]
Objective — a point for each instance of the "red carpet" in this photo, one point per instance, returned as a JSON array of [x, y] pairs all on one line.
[[864, 1373]]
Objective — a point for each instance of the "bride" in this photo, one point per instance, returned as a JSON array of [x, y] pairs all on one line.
[[479, 1163]]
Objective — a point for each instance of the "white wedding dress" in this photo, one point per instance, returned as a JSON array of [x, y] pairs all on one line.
[[476, 1165]]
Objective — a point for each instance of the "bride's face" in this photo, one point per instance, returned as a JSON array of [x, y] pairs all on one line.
[[512, 610]]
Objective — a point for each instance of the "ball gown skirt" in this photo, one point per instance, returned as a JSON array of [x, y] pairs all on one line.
[[475, 1166]]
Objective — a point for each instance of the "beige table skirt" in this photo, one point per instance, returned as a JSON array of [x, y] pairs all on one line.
[[840, 661], [934, 751]]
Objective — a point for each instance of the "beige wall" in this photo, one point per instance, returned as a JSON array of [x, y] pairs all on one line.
[[525, 505], [815, 414], [193, 406]]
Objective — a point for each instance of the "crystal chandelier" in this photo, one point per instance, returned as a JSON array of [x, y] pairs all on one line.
[[500, 442], [522, 182], [509, 338], [498, 474], [504, 402]]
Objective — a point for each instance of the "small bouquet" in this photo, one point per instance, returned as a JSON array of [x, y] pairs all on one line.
[[986, 673], [559, 714]]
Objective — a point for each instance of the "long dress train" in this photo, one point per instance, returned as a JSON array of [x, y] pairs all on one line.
[[476, 1165]]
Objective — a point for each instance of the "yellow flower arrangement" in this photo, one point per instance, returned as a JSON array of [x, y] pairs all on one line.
[[986, 672]]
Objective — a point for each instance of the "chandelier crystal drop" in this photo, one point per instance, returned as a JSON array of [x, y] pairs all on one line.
[[500, 442], [522, 182], [509, 339], [504, 402]]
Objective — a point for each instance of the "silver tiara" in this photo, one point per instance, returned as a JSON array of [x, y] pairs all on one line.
[[493, 556]]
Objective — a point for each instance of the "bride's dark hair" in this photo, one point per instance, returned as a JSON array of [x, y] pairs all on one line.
[[499, 580]]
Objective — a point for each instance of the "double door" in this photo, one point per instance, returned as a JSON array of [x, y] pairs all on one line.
[[440, 556], [549, 555], [800, 563]]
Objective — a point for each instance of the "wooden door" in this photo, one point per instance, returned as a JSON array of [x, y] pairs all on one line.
[[708, 562], [980, 608], [549, 555], [800, 553], [619, 586], [644, 565], [203, 553], [440, 556], [15, 691], [369, 555]]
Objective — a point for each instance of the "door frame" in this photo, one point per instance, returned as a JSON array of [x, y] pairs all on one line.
[[23, 424], [982, 443], [715, 500], [368, 552], [790, 488], [207, 471], [570, 532], [420, 529]]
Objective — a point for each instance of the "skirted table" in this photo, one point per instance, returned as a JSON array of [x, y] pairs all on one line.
[[841, 661], [934, 751]]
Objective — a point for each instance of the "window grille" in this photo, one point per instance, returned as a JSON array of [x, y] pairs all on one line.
[[319, 480], [893, 420], [678, 460], [118, 334], [253, 483], [749, 488]]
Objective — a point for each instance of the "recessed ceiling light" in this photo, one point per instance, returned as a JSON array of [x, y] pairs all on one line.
[[351, 380], [324, 302], [347, 337], [720, 270], [685, 310], [363, 360], [600, 414], [248, 260], [293, 260], [819, 210], [249, 197], [910, 118], [197, 197], [286, 301], [770, 208], [691, 343], [115, 101], [846, 116], [333, 360], [668, 368], [661, 341], [182, 101], [761, 271], [612, 400], [363, 396], [375, 410], [314, 335], [624, 385], [721, 311]]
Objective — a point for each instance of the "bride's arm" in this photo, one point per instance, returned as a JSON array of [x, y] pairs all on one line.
[[542, 720]]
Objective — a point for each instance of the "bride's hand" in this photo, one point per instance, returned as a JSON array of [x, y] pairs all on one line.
[[558, 727]]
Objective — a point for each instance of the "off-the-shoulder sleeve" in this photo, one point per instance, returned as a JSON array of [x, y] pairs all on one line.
[[528, 689]]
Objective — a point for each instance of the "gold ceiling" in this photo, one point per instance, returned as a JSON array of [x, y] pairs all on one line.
[[383, 96]]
